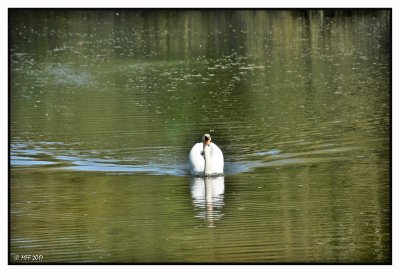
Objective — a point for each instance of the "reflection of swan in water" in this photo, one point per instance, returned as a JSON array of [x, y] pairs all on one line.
[[208, 196], [206, 159]]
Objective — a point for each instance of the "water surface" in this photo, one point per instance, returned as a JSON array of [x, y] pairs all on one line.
[[106, 104]]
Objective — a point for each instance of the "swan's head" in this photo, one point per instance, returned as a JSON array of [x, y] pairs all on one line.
[[206, 139]]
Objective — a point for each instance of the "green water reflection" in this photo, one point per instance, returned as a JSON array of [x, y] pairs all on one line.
[[106, 104]]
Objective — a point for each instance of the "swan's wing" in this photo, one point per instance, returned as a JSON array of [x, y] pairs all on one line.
[[196, 160], [217, 158]]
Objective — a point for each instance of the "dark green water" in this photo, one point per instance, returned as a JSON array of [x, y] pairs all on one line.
[[106, 104]]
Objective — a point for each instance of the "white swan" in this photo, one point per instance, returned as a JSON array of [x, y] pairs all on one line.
[[206, 159]]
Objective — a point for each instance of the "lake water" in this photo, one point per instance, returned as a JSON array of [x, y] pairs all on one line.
[[106, 104]]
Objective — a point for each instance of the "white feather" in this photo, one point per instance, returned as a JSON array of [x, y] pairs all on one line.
[[197, 160]]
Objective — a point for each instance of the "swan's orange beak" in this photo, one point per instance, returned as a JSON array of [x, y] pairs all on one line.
[[207, 140]]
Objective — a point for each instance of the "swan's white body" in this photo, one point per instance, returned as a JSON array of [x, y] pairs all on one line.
[[206, 160]]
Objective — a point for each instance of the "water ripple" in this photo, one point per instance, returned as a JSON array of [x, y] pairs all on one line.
[[55, 156]]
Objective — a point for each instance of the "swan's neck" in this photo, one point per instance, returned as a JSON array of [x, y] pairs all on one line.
[[208, 160]]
